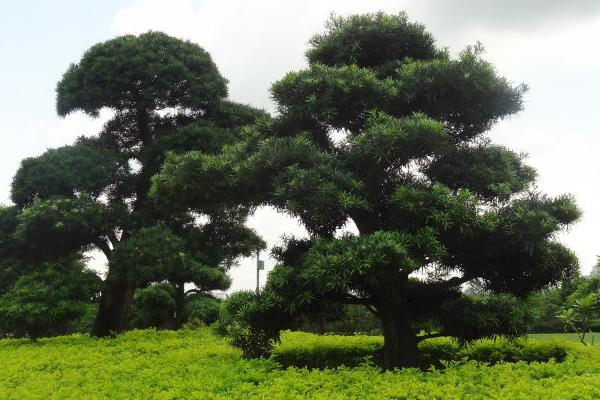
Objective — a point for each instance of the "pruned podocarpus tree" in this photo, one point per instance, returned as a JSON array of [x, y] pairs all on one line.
[[165, 95], [388, 131]]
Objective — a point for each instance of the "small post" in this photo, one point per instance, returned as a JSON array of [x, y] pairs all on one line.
[[257, 272], [260, 265]]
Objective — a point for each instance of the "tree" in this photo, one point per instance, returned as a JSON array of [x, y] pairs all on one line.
[[41, 298], [56, 299], [166, 95], [153, 307], [582, 308], [388, 131]]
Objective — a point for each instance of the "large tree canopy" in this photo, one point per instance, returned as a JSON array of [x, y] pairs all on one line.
[[388, 131], [166, 96]]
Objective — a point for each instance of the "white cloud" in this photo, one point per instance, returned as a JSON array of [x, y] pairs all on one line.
[[508, 14], [75, 125]]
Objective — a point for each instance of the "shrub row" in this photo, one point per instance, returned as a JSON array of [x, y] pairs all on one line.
[[314, 351]]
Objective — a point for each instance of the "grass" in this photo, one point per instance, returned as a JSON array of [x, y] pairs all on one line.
[[194, 364], [568, 337]]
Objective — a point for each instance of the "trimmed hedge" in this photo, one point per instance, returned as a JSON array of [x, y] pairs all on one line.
[[313, 351]]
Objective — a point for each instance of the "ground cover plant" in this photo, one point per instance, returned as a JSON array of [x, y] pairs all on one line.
[[196, 364]]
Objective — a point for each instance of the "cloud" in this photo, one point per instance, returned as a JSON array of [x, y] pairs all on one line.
[[75, 125], [254, 43], [35, 137], [508, 14]]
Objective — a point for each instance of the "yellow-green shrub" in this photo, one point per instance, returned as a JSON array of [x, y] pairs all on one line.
[[194, 364]]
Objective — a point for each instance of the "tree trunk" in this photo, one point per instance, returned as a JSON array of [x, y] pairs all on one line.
[[113, 312], [179, 304], [115, 303], [400, 341]]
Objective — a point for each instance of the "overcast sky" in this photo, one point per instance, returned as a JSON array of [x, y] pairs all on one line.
[[551, 45]]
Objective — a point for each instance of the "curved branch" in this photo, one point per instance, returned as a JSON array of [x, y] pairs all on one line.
[[104, 247], [194, 290], [458, 280]]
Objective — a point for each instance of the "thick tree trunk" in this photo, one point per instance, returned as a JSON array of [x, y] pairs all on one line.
[[400, 341], [113, 312]]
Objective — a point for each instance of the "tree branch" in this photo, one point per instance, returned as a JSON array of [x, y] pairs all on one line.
[[194, 290], [362, 301], [458, 280], [102, 244], [351, 299], [429, 336], [372, 310], [113, 239]]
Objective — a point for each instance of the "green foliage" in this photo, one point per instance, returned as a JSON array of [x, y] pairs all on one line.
[[388, 143], [56, 299], [466, 94], [470, 318], [242, 320], [439, 351], [10, 252], [364, 262], [202, 309], [313, 351], [193, 364], [371, 40], [152, 71], [85, 167], [61, 226], [340, 319], [149, 255], [581, 307], [37, 297], [180, 173], [153, 306], [492, 172], [305, 350], [545, 306], [328, 95]]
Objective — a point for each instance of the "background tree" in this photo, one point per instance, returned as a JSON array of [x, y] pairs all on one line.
[[581, 310], [388, 131], [165, 95], [40, 298]]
